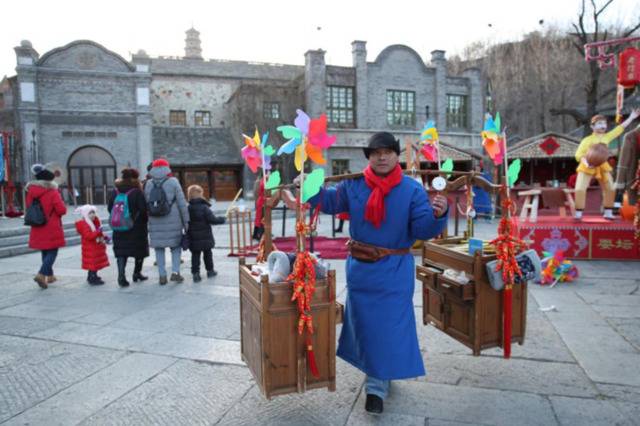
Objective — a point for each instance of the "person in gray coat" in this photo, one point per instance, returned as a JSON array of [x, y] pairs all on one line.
[[168, 219]]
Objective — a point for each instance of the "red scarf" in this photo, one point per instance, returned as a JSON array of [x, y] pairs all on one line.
[[380, 187]]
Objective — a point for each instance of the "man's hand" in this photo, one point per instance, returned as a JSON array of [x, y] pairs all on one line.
[[439, 204], [635, 113]]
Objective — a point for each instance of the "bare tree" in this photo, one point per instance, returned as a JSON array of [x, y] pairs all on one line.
[[581, 36]]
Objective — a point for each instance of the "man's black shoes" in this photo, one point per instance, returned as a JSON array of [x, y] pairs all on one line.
[[374, 404]]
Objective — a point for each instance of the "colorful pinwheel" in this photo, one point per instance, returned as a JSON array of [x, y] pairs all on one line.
[[429, 142], [256, 152], [314, 134], [493, 139]]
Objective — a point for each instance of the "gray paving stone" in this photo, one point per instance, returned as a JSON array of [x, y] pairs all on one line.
[[14, 283], [519, 375], [165, 313], [93, 335], [79, 401], [620, 393], [464, 404], [32, 371], [360, 417], [187, 393], [610, 299], [55, 313], [220, 320], [316, 407], [24, 326], [440, 422], [630, 411], [192, 347], [620, 311], [629, 328], [576, 411]]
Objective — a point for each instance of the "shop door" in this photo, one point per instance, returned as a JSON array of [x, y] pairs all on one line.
[[197, 177], [226, 183], [92, 172]]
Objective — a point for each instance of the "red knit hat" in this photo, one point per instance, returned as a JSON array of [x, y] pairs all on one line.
[[160, 162]]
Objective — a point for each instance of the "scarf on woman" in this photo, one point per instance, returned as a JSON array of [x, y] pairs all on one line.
[[380, 187]]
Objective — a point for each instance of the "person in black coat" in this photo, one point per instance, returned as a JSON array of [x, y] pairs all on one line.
[[135, 242], [200, 235]]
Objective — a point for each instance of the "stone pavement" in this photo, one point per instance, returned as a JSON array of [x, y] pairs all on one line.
[[146, 354]]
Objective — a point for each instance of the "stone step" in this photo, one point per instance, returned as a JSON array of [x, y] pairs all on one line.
[[17, 243]]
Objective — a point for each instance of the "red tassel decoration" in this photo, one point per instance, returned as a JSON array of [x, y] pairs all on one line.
[[507, 245], [304, 285], [311, 359], [507, 297]]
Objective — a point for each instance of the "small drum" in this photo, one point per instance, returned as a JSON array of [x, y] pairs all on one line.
[[597, 154]]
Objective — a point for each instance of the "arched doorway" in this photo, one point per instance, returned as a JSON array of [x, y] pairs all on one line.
[[92, 171]]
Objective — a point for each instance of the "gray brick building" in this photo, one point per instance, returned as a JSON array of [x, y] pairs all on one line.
[[85, 108], [92, 112]]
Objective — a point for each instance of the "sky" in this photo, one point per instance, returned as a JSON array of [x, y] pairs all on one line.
[[282, 31]]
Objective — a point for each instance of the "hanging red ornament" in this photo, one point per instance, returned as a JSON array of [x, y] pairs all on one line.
[[507, 246]]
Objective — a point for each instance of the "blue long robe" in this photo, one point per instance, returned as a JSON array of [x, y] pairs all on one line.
[[379, 331]]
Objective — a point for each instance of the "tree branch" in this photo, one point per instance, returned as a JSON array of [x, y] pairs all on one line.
[[597, 14], [577, 115], [607, 92], [632, 30]]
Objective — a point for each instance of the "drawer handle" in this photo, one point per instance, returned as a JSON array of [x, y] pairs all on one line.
[[445, 285], [422, 274]]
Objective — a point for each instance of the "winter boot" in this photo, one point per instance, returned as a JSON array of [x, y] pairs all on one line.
[[176, 277], [212, 273], [137, 271], [122, 279], [196, 277], [41, 280]]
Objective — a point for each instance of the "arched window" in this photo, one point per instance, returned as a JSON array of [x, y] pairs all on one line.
[[92, 171]]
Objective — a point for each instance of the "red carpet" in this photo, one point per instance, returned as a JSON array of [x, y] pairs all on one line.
[[592, 238], [327, 248]]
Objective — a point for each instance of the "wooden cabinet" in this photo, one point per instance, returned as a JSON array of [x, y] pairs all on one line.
[[470, 313], [271, 346]]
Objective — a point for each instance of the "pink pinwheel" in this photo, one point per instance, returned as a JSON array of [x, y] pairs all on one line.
[[314, 134], [257, 153]]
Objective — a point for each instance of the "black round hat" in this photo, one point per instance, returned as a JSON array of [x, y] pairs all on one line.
[[382, 140]]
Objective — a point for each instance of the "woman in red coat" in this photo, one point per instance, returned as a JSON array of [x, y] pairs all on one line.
[[94, 249], [49, 237]]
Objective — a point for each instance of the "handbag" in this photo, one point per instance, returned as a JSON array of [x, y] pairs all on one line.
[[34, 216], [185, 241], [530, 267]]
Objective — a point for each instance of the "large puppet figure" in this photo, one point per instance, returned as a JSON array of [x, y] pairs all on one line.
[[628, 163], [389, 212], [592, 158]]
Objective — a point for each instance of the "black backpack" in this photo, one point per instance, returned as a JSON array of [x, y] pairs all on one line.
[[158, 205], [34, 216]]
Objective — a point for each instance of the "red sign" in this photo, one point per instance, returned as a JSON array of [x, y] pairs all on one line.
[[629, 68], [614, 244], [549, 145]]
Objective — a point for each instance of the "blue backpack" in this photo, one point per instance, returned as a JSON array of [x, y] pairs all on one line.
[[120, 218]]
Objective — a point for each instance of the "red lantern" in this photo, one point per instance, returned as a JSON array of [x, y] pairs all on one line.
[[629, 68]]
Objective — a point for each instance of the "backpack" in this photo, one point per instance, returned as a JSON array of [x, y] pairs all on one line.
[[120, 218], [158, 205], [34, 215]]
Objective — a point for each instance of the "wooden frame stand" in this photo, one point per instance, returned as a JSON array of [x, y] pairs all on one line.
[[470, 313], [271, 346]]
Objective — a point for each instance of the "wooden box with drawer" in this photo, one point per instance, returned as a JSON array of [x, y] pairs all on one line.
[[470, 313], [270, 344]]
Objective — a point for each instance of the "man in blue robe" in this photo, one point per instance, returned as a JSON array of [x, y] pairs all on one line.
[[389, 212]]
